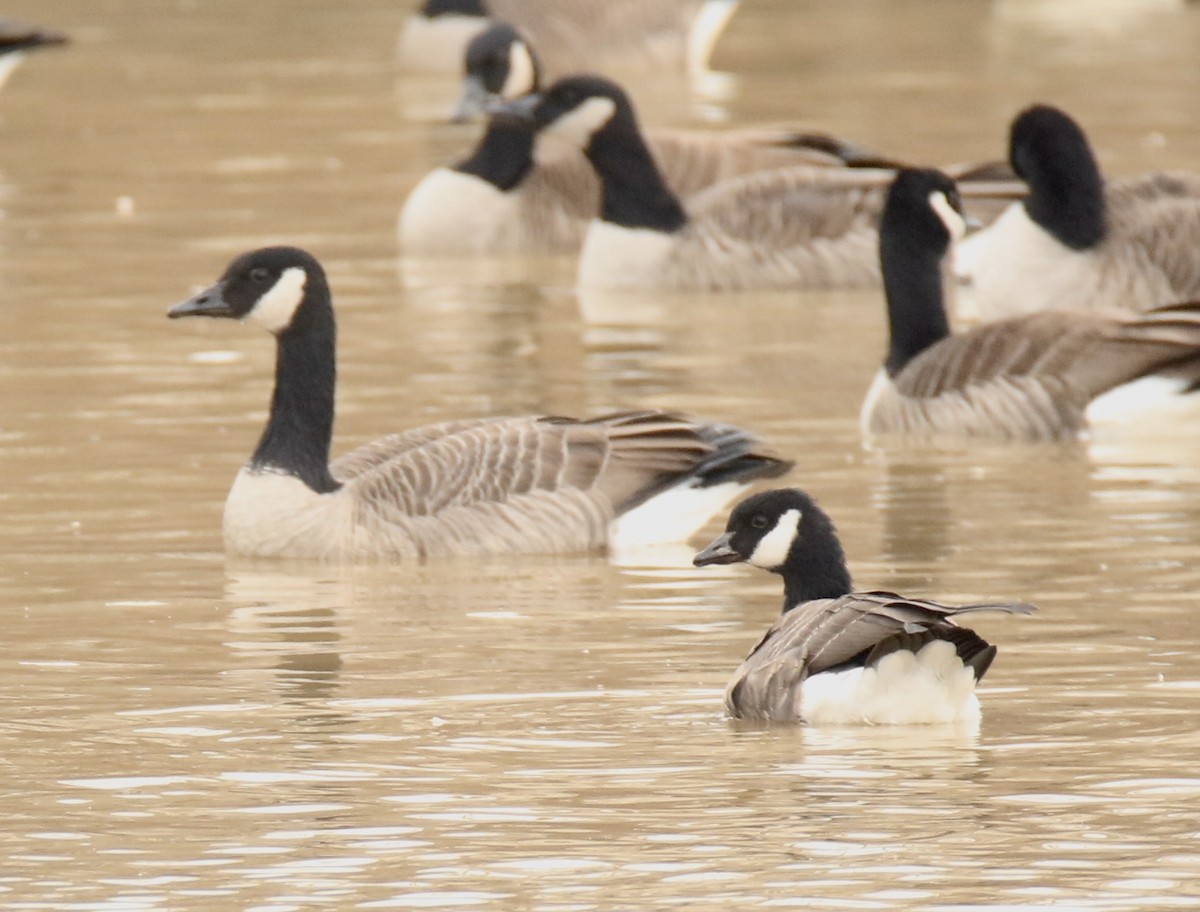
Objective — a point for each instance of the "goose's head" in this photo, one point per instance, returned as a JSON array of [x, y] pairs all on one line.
[[500, 65], [785, 532], [1043, 137], [273, 287], [923, 207], [764, 530], [576, 109], [1051, 153]]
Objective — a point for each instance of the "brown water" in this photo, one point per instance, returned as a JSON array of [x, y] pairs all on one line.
[[178, 731]]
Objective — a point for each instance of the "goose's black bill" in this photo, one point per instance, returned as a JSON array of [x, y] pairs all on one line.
[[719, 552], [472, 103], [208, 303]]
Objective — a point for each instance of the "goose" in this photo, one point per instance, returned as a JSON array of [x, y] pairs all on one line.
[[838, 656], [505, 198], [467, 487], [18, 37], [656, 34], [1078, 242], [767, 229], [1034, 377]]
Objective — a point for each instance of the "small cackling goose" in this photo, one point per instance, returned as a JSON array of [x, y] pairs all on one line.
[[658, 34], [503, 198], [1034, 377], [836, 656], [769, 229], [16, 38], [470, 487], [1077, 242]]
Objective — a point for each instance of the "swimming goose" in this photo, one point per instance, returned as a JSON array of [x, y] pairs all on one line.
[[660, 34], [503, 198], [1077, 242], [470, 487], [837, 656], [16, 38], [769, 229], [1034, 377]]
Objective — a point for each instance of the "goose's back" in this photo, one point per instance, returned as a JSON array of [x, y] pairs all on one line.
[[890, 636], [777, 229]]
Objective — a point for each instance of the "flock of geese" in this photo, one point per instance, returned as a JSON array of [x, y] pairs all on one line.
[[1076, 285], [1080, 287]]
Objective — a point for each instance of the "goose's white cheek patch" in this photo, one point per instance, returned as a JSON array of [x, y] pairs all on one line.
[[772, 549], [954, 222], [522, 74], [579, 124], [275, 309]]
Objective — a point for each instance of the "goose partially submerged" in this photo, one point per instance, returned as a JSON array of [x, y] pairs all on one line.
[[1077, 241], [838, 656], [1035, 377], [470, 487], [769, 229]]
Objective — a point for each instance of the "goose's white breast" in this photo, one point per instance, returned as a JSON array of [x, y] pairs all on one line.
[[449, 212], [273, 514], [1015, 266], [617, 257]]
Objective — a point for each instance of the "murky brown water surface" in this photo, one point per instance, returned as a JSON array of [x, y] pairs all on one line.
[[178, 731]]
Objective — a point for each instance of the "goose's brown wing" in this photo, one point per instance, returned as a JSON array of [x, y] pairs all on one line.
[[535, 484], [1076, 356]]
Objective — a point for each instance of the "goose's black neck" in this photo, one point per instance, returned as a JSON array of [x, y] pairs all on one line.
[[633, 193], [299, 431], [504, 154], [912, 283], [816, 566]]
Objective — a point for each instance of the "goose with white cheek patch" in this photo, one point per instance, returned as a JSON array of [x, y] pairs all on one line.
[[510, 196], [17, 38], [769, 229], [655, 35], [470, 487], [1037, 377], [840, 657], [1076, 241]]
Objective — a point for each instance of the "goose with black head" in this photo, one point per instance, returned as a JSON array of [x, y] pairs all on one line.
[[478, 486], [838, 656], [1041, 376], [781, 228], [1077, 241]]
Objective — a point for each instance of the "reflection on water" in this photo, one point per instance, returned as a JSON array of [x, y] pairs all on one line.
[[179, 731]]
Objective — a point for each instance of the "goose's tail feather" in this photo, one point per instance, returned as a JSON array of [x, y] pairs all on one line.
[[687, 471]]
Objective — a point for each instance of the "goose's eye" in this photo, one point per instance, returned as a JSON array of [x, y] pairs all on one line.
[[759, 521], [260, 274]]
